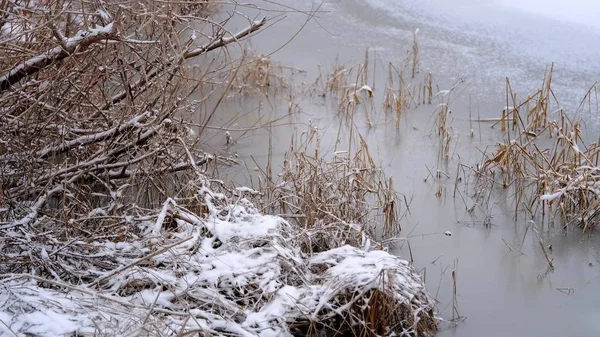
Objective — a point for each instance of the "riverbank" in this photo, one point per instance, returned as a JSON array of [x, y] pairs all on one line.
[[112, 222]]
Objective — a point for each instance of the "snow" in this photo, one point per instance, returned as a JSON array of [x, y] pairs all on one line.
[[247, 190], [550, 197], [161, 217], [443, 93], [104, 15], [230, 271], [59, 317], [564, 185], [44, 254], [80, 35], [367, 89]]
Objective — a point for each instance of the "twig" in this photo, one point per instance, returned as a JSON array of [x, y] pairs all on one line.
[[33, 213], [90, 139]]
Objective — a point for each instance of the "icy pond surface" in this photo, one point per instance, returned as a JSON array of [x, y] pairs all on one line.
[[499, 292]]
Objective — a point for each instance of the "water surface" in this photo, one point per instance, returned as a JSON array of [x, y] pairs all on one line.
[[500, 292]]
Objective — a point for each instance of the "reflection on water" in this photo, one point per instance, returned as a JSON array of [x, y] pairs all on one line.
[[499, 291]]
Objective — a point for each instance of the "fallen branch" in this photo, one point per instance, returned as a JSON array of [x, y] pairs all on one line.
[[124, 174], [140, 260], [33, 212]]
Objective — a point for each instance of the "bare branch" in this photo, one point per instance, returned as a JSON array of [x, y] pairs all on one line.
[[215, 44]]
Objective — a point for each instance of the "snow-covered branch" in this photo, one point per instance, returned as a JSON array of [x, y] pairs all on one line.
[[93, 138], [77, 42]]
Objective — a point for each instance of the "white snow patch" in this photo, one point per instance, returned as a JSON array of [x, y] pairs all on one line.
[[550, 197]]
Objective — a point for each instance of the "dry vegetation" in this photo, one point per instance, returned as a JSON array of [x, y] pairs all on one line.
[[106, 211], [353, 87], [344, 186], [325, 192], [259, 74], [335, 201], [545, 161], [91, 100]]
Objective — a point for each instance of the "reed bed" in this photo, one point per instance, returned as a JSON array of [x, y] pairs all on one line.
[[354, 87], [545, 161]]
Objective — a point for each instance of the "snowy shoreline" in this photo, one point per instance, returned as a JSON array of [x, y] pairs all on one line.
[[231, 271]]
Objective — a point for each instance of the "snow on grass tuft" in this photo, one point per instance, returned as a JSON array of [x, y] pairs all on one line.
[[231, 271]]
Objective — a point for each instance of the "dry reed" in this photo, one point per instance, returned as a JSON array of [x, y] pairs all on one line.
[[545, 161]]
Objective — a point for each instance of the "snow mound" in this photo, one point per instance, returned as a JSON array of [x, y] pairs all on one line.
[[228, 272]]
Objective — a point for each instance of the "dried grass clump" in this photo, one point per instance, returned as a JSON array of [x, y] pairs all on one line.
[[328, 193], [399, 99], [407, 94], [545, 162], [366, 300], [259, 74], [349, 87], [443, 122]]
